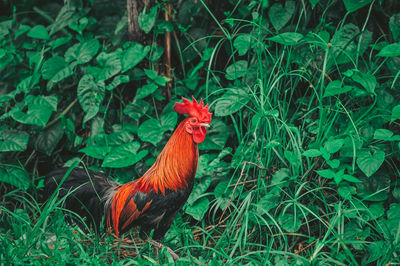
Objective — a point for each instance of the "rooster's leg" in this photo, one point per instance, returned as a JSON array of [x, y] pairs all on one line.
[[158, 245]]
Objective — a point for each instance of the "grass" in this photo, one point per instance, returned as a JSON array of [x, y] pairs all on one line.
[[269, 202]]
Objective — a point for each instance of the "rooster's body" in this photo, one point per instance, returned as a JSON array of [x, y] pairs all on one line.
[[151, 201]]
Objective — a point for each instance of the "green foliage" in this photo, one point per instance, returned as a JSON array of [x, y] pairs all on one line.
[[299, 166]]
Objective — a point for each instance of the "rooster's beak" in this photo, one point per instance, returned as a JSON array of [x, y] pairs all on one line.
[[204, 125]]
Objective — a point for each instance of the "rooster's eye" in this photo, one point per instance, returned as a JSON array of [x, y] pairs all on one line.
[[193, 120]]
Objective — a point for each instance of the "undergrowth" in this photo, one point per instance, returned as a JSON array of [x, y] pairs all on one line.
[[300, 164]]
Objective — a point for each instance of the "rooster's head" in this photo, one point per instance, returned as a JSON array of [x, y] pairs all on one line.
[[199, 117]]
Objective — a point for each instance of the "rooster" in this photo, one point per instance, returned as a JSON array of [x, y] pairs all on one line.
[[153, 200]]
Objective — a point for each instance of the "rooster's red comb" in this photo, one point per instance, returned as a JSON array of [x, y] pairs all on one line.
[[195, 109]]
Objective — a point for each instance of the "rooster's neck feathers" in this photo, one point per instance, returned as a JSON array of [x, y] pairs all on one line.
[[175, 166]]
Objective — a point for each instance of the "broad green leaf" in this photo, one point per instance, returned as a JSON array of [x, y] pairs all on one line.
[[394, 24], [146, 90], [79, 25], [390, 50], [287, 38], [326, 173], [133, 56], [82, 52], [56, 69], [198, 209], [368, 81], [236, 70], [335, 163], [353, 5], [242, 43], [153, 75], [136, 109], [280, 176], [395, 113], [268, 202], [169, 120], [312, 153], [351, 178], [369, 162], [147, 20], [12, 140], [118, 80], [124, 155], [216, 137], [231, 102], [90, 95], [151, 131], [280, 15], [313, 3], [15, 175], [346, 191], [199, 190], [110, 64], [346, 46], [383, 134], [38, 32], [48, 139], [335, 88], [289, 222], [39, 110], [333, 145]]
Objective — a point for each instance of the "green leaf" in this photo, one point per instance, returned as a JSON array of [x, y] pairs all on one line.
[[153, 75], [38, 112], [368, 81], [90, 95], [370, 163], [390, 50], [146, 90], [38, 32], [151, 131], [12, 140], [313, 3], [82, 52], [351, 178], [383, 134], [147, 20], [312, 153], [231, 102], [133, 56], [124, 155], [15, 175], [394, 24], [216, 137], [236, 70], [136, 109], [48, 139], [395, 113], [110, 64], [199, 190], [279, 15], [287, 38], [242, 43], [335, 88], [118, 80], [169, 120], [353, 5], [333, 145], [346, 191], [326, 173], [198, 209], [289, 222], [56, 69]]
